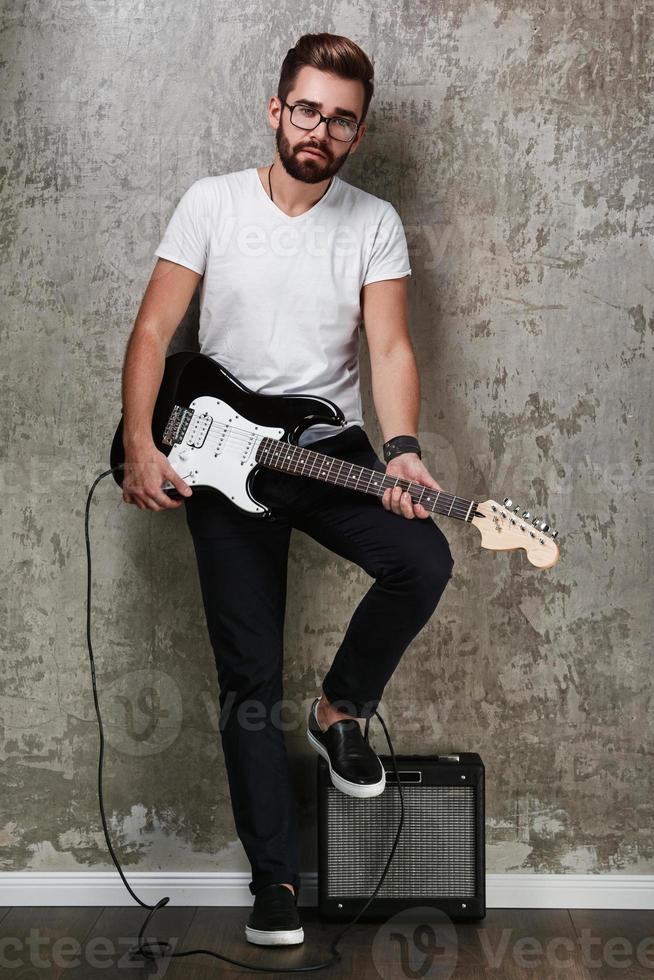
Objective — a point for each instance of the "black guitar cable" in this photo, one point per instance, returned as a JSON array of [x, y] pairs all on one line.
[[146, 950]]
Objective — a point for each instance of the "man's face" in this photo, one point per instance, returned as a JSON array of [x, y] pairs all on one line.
[[333, 95]]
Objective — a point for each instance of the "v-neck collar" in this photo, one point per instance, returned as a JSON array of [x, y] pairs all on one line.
[[297, 217]]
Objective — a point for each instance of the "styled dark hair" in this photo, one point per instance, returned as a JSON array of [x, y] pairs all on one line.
[[328, 52]]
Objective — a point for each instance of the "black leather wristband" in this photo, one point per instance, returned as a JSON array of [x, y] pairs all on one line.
[[401, 444]]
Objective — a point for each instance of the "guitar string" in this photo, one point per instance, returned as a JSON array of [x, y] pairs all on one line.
[[466, 507], [243, 435], [459, 509], [463, 505]]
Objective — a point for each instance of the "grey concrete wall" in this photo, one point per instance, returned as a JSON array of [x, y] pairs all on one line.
[[514, 141]]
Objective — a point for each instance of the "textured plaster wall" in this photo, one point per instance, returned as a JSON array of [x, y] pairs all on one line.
[[514, 141]]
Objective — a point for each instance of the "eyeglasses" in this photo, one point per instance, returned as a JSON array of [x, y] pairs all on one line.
[[306, 117]]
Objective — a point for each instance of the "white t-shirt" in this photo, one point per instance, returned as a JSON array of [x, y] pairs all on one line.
[[280, 297]]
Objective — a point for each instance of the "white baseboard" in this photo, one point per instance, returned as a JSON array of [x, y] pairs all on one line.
[[570, 891], [525, 891]]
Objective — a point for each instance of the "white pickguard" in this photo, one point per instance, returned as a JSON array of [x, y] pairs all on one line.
[[219, 450]]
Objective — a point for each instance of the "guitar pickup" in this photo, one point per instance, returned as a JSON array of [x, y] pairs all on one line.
[[199, 430]]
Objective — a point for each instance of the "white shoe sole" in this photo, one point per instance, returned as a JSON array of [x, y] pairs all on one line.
[[344, 785], [274, 937]]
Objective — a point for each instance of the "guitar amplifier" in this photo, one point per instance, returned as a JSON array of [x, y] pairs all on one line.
[[440, 855]]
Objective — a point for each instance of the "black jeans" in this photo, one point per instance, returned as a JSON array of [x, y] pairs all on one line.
[[242, 565]]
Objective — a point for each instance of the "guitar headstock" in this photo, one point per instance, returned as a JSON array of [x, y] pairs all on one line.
[[503, 528]]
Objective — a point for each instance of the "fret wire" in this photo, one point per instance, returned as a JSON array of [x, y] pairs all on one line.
[[288, 453], [295, 455]]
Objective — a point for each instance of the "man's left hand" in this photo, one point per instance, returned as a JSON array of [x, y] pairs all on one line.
[[407, 466]]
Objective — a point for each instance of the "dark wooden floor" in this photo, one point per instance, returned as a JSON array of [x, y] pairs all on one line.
[[509, 943]]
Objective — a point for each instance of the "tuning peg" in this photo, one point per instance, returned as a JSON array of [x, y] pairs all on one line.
[[544, 526], [535, 521], [526, 515], [508, 502], [516, 508], [554, 535]]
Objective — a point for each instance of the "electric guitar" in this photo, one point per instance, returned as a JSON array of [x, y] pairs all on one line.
[[217, 433]]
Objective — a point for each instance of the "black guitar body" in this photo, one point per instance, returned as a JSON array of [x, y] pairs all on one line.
[[190, 374]]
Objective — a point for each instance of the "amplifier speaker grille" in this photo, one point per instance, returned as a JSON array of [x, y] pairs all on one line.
[[435, 854]]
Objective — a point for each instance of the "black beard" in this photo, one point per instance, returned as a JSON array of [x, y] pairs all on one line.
[[310, 170]]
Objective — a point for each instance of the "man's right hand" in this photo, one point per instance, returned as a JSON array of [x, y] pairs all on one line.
[[146, 470]]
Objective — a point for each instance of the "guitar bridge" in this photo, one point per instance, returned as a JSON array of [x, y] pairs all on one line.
[[177, 425]]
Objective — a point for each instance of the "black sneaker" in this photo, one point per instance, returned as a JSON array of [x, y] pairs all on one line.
[[354, 767], [274, 919]]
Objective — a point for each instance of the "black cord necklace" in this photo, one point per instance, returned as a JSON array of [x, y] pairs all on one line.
[[319, 199]]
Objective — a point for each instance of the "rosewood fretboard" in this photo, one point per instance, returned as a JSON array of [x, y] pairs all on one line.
[[307, 462]]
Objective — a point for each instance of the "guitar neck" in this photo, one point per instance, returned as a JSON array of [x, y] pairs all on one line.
[[307, 462]]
